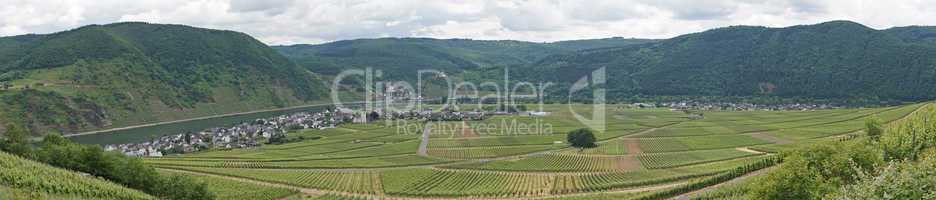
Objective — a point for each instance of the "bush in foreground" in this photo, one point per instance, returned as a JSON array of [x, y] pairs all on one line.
[[57, 151]]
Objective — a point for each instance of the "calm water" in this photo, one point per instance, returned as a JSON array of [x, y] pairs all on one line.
[[143, 134]]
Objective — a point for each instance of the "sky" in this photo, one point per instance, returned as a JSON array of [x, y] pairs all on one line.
[[282, 22]]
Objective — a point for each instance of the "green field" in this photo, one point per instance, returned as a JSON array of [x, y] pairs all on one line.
[[642, 153]]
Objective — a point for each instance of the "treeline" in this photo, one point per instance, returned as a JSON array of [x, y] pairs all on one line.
[[131, 172]]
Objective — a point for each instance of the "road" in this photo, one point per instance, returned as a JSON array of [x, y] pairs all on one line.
[[424, 144]]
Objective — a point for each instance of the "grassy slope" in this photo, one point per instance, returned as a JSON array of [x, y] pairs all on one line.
[[41, 181]]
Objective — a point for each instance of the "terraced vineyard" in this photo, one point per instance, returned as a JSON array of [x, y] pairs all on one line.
[[364, 182], [656, 145], [643, 153], [45, 182], [446, 183], [554, 162], [487, 152], [668, 160]]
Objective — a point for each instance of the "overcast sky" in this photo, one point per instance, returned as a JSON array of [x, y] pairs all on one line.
[[316, 21]]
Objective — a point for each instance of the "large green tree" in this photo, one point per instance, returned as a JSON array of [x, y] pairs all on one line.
[[581, 138]]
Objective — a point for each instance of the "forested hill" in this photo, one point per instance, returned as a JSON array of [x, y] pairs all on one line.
[[401, 57], [833, 60], [121, 74]]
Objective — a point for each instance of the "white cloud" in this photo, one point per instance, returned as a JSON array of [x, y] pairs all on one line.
[[317, 21]]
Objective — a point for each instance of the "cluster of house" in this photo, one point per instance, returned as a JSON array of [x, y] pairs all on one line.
[[250, 134], [741, 106], [430, 115], [243, 135]]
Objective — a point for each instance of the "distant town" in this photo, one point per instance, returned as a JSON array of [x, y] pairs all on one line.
[[243, 135], [276, 129], [729, 106]]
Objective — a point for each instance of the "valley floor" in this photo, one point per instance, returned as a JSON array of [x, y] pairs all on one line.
[[642, 154]]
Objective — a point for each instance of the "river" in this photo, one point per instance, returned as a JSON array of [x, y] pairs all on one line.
[[142, 134]]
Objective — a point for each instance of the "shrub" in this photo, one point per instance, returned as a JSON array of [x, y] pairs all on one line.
[[899, 180], [873, 128], [817, 170]]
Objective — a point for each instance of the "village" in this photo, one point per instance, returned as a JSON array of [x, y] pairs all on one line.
[[731, 106], [243, 135], [274, 130]]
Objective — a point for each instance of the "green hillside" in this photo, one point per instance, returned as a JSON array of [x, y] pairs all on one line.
[[915, 33], [116, 75], [25, 179], [401, 57], [833, 60], [122, 74]]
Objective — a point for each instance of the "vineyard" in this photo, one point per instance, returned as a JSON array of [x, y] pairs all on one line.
[[614, 147], [236, 190], [828, 122], [555, 162], [655, 145], [642, 154], [497, 141], [49, 182], [447, 183], [338, 197], [487, 152], [357, 181], [668, 160]]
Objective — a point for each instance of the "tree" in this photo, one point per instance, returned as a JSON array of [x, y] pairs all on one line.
[[582, 138], [873, 128], [17, 141], [373, 116], [184, 187], [54, 139], [277, 138]]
